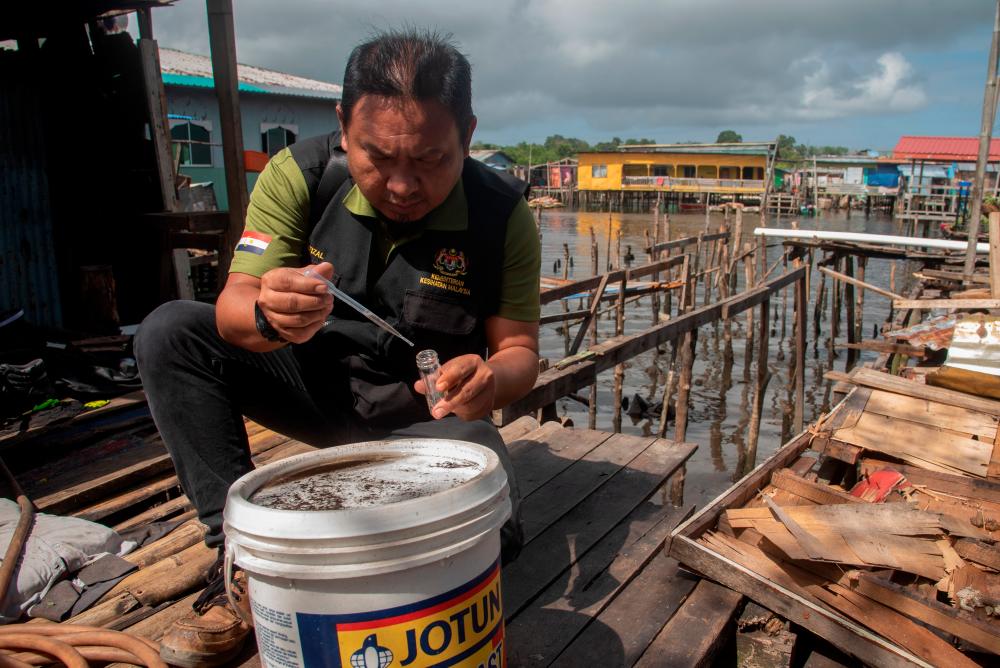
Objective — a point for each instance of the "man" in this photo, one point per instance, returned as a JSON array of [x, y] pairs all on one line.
[[439, 245]]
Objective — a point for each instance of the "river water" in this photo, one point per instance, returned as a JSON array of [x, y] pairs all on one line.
[[722, 388]]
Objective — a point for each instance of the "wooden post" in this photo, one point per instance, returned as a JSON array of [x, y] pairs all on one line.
[[763, 378], [995, 253], [592, 410], [818, 307], [834, 314], [852, 353], [159, 131], [860, 311], [619, 368], [686, 361], [801, 304], [748, 272], [985, 135], [222, 41]]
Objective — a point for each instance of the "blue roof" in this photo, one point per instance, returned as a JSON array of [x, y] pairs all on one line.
[[204, 82]]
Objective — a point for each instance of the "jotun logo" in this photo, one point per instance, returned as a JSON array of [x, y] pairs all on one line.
[[461, 627]]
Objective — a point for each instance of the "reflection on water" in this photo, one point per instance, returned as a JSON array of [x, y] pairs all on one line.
[[722, 387]]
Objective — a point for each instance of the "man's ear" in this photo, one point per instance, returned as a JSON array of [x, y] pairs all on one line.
[[343, 128], [468, 136]]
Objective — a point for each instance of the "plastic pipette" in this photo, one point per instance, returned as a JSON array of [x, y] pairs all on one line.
[[356, 305]]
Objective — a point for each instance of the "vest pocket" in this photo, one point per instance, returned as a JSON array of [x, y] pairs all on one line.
[[438, 313]]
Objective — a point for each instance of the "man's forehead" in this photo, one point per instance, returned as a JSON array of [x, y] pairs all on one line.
[[388, 116]]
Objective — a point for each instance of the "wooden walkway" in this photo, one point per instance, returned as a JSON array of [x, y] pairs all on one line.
[[592, 585]]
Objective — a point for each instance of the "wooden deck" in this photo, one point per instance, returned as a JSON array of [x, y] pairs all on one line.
[[592, 585]]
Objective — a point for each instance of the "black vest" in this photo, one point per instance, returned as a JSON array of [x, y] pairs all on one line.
[[437, 290]]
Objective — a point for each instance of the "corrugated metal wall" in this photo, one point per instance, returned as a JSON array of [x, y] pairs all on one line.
[[28, 269]]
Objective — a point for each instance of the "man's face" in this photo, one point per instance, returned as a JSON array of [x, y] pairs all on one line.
[[405, 155]]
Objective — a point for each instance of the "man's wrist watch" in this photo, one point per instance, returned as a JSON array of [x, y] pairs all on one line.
[[264, 327]]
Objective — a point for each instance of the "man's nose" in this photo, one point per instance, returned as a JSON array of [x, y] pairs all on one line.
[[402, 183]]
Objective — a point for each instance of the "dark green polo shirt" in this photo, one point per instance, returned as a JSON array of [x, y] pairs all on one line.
[[278, 226]]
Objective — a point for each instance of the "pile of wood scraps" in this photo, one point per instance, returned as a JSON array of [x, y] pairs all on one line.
[[889, 547]]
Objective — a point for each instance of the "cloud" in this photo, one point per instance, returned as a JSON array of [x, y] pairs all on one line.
[[889, 89], [629, 67]]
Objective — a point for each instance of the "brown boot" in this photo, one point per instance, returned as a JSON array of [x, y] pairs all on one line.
[[214, 633]]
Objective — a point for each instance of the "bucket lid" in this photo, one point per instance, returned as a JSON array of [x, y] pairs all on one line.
[[364, 489]]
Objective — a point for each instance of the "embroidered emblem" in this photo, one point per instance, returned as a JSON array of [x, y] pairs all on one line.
[[450, 262]]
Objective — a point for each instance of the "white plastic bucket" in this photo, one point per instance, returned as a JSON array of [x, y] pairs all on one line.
[[402, 569]]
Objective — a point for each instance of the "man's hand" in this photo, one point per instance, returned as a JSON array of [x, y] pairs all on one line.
[[469, 388], [295, 305]]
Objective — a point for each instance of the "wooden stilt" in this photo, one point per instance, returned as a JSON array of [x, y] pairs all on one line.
[[763, 378], [852, 353], [801, 304], [592, 410]]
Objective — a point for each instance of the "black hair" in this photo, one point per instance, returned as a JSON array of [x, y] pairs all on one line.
[[419, 65]]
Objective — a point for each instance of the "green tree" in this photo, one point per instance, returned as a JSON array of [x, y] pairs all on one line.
[[787, 148], [729, 137]]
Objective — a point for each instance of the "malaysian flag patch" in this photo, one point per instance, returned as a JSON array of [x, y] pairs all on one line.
[[253, 242]]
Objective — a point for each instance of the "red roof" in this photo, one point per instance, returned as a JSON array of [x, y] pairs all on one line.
[[963, 149]]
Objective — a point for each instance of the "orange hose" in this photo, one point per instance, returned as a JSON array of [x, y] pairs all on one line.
[[60, 641], [38, 643], [150, 657], [66, 629], [9, 661], [102, 654]]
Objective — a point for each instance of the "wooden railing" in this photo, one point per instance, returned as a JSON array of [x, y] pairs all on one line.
[[675, 182]]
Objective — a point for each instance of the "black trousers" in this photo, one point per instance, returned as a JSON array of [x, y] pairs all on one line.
[[199, 388]]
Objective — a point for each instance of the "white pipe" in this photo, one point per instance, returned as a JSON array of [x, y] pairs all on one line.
[[827, 235]]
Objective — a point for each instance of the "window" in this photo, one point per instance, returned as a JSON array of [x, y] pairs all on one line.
[[663, 170], [599, 171], [635, 170], [708, 172], [273, 137], [193, 140], [687, 171], [729, 172], [748, 173]]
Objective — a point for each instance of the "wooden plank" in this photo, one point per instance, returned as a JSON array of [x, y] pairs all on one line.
[[542, 630], [595, 303], [844, 452], [993, 469], [544, 459], [896, 627], [884, 381], [946, 303], [575, 483], [813, 491], [948, 619], [985, 554], [886, 347], [779, 593], [859, 283], [933, 414], [103, 475], [994, 233], [941, 482], [849, 412], [548, 556], [583, 285], [922, 445], [693, 635], [623, 630]]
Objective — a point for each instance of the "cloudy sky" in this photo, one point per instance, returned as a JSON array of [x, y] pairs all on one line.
[[858, 73]]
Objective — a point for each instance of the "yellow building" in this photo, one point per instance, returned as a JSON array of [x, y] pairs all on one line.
[[680, 168]]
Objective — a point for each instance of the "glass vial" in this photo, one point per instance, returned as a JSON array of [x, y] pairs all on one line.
[[430, 369]]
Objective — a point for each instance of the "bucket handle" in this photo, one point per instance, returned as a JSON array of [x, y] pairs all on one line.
[[227, 574]]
